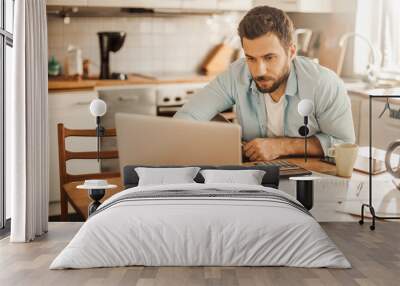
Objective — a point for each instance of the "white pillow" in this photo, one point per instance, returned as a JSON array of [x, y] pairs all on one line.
[[248, 177], [162, 176]]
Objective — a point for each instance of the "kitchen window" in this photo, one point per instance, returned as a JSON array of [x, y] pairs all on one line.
[[6, 64], [379, 22], [390, 43]]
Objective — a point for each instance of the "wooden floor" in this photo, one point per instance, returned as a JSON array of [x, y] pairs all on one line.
[[375, 257]]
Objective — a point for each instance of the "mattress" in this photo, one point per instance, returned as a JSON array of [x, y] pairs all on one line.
[[201, 225]]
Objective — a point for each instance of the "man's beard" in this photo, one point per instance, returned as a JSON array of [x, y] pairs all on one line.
[[277, 83]]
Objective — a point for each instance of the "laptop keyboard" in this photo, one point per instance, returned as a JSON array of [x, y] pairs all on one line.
[[286, 169], [282, 164]]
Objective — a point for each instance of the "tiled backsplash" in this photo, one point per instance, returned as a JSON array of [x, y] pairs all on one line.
[[153, 44], [178, 43]]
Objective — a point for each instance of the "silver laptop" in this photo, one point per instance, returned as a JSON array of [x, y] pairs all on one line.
[[151, 140]]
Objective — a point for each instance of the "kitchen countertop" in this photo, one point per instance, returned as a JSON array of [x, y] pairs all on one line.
[[362, 89], [64, 84]]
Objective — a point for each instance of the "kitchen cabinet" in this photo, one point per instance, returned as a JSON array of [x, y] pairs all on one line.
[[199, 4], [163, 5], [356, 104], [79, 3], [385, 129], [128, 99], [232, 5], [217, 5], [125, 99], [117, 3], [71, 109], [310, 6], [356, 109]]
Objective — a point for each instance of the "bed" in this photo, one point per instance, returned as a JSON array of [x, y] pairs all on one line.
[[201, 224]]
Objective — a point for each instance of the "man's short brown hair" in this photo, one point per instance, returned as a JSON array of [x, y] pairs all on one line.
[[262, 20]]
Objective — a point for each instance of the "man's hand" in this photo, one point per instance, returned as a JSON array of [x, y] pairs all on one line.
[[264, 149]]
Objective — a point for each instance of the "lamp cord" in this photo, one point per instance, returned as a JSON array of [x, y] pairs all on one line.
[[305, 147], [305, 137], [98, 134], [98, 148]]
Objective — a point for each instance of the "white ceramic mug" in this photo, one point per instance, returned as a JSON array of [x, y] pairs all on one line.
[[345, 155]]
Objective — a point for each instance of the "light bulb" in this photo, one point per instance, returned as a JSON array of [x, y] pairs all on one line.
[[305, 107], [67, 20], [98, 107]]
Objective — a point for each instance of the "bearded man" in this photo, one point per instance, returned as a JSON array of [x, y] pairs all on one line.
[[266, 88]]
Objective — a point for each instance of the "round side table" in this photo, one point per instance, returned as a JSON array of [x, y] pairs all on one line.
[[96, 193]]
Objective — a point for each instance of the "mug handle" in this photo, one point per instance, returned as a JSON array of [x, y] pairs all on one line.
[[332, 152]]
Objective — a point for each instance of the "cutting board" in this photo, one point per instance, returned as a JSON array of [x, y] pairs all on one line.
[[218, 60]]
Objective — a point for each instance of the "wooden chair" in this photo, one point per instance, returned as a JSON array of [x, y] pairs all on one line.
[[79, 199]]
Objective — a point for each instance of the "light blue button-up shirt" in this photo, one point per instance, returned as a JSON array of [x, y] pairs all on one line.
[[331, 121]]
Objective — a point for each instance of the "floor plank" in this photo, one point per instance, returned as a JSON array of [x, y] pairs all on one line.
[[375, 257]]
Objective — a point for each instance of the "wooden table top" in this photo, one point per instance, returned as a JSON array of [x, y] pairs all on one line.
[[312, 164]]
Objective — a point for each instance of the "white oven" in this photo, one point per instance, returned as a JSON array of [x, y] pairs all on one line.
[[172, 97]]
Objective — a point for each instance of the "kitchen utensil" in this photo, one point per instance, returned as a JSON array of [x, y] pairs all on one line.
[[74, 60], [109, 42], [302, 39], [218, 59], [86, 64], [54, 67]]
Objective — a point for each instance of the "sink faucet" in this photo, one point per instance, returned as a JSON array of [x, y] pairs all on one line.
[[372, 67]]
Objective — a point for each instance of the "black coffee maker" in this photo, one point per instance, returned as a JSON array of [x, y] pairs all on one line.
[[110, 42]]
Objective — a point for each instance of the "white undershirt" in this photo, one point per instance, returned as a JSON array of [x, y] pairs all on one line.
[[275, 113]]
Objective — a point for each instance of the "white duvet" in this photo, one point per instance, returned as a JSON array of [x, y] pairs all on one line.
[[200, 231]]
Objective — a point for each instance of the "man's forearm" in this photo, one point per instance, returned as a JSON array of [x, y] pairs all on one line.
[[295, 146], [265, 149]]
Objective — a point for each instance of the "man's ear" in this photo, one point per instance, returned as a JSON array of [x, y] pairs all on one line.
[[292, 51]]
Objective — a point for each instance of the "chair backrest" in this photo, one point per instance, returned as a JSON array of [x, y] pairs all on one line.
[[64, 155]]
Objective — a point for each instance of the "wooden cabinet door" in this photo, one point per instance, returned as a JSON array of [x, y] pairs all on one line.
[[384, 130], [356, 103]]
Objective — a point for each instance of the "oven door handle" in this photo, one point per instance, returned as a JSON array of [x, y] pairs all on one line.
[[168, 108], [132, 98]]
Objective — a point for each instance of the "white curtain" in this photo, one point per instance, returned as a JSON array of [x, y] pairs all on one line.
[[27, 155]]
